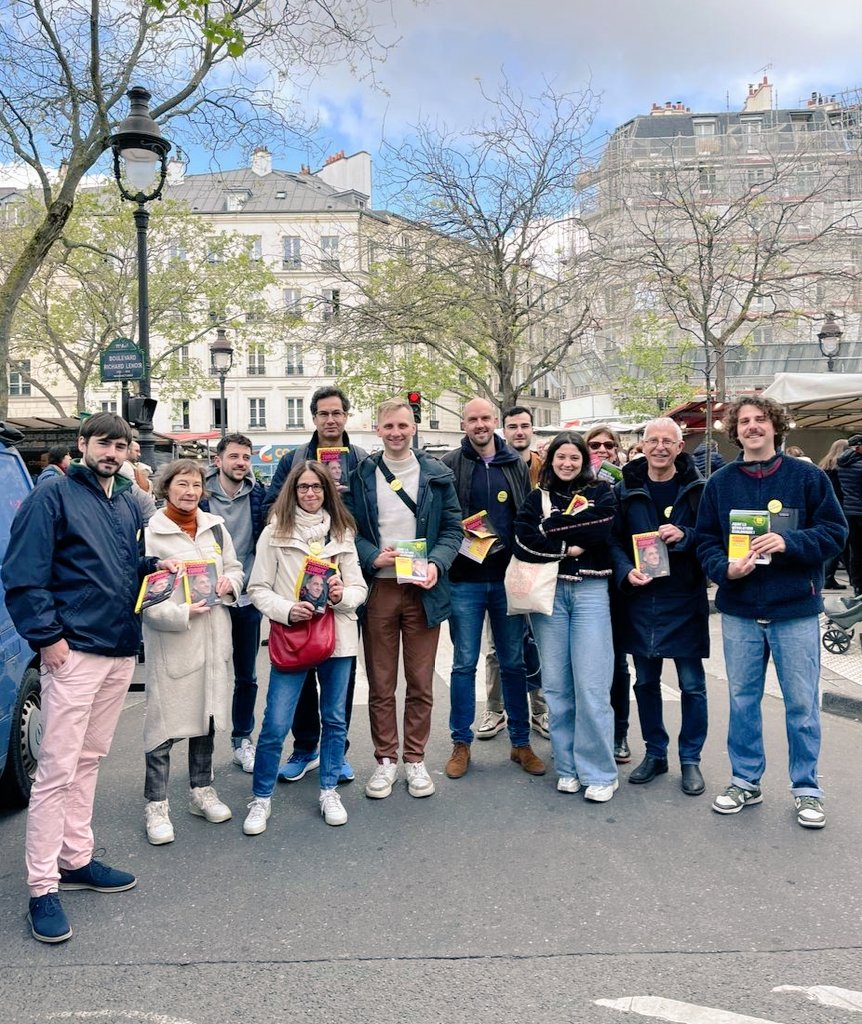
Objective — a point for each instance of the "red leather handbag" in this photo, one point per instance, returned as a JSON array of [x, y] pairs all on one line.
[[302, 646]]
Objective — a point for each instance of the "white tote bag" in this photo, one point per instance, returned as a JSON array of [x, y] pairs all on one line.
[[531, 586]]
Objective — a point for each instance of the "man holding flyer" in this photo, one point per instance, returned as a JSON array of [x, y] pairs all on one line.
[[401, 495]]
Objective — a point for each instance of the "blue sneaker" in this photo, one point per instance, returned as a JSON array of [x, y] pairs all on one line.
[[298, 765], [48, 922], [346, 774], [98, 877]]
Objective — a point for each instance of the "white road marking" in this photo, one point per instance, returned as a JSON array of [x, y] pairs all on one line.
[[677, 1012], [136, 1016], [828, 995]]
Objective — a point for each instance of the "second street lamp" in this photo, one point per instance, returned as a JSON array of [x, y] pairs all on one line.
[[221, 361], [139, 150], [829, 339]]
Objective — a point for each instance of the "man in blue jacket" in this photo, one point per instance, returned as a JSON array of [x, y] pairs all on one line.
[[72, 573], [402, 495], [770, 599], [665, 616], [491, 477]]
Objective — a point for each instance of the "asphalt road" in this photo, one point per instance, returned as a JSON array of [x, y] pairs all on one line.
[[497, 899]]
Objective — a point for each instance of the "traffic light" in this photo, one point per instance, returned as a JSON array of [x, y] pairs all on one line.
[[415, 400], [141, 411]]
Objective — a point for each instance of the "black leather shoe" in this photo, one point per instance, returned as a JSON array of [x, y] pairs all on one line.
[[647, 770], [692, 780]]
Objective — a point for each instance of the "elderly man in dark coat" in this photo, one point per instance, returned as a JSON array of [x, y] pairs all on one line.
[[666, 616]]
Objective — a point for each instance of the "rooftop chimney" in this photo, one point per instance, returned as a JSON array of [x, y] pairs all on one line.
[[261, 161], [759, 97]]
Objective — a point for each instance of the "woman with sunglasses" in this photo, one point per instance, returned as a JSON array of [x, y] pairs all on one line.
[[574, 640], [308, 519], [604, 445]]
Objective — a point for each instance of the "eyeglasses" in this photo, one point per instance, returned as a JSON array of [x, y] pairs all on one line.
[[595, 445], [330, 414], [317, 488], [665, 442]]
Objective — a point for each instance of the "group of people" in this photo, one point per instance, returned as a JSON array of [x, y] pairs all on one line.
[[78, 552]]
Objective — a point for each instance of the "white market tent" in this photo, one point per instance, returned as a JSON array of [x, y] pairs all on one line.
[[830, 401]]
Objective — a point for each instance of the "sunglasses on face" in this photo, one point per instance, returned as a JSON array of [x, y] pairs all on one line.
[[596, 445]]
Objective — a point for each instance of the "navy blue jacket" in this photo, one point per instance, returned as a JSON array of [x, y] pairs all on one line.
[[849, 470], [74, 565], [355, 455], [479, 486], [438, 520], [789, 587], [668, 617]]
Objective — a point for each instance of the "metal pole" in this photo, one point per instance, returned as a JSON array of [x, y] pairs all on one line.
[[145, 430], [223, 404]]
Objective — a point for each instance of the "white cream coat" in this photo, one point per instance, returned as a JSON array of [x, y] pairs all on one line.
[[272, 585], [189, 671]]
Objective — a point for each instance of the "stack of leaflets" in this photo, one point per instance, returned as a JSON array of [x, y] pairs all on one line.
[[411, 560], [199, 582], [312, 584], [155, 588], [745, 524], [335, 460], [651, 557], [479, 536], [577, 504], [608, 472]]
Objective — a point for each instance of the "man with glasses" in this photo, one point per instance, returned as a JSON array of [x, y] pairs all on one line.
[[664, 616], [604, 446], [329, 410], [770, 599]]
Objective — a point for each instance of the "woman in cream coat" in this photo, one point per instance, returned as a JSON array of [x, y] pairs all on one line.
[[308, 519], [188, 648]]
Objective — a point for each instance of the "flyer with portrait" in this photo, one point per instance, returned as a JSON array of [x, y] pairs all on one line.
[[744, 525], [155, 588], [312, 584], [411, 560], [199, 582], [335, 460], [479, 536], [651, 556]]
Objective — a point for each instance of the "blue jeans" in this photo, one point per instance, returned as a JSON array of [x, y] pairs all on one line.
[[692, 683], [470, 602], [281, 698], [577, 667], [795, 648], [245, 631]]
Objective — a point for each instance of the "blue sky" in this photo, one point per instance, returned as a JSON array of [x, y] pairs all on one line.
[[633, 52]]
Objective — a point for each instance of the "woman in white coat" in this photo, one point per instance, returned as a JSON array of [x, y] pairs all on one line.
[[188, 648], [308, 519]]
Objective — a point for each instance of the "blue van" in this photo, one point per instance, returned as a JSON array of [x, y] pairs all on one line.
[[20, 700]]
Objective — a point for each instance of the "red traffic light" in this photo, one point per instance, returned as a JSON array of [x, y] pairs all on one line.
[[414, 396], [414, 400]]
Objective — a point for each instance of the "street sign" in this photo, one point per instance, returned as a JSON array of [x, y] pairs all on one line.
[[121, 360]]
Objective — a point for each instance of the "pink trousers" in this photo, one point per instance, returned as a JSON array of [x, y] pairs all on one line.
[[81, 705]]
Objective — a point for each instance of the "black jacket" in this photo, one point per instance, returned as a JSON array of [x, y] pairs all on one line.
[[849, 469], [355, 455]]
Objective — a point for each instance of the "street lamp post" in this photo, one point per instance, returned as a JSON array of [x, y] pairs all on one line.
[[139, 144], [221, 355], [829, 339]]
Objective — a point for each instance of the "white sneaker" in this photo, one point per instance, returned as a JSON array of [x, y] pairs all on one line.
[[204, 802], [243, 755], [380, 784], [159, 827], [601, 794], [258, 811], [419, 782], [332, 808], [492, 723], [568, 784]]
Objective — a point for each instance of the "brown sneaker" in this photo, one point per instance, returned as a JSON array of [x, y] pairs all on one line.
[[459, 761], [525, 757]]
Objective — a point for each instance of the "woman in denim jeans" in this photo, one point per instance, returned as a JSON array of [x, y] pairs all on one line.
[[309, 519], [575, 639]]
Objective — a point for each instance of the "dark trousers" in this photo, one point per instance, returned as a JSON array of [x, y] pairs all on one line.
[[306, 718], [159, 765], [855, 540], [621, 684], [245, 631]]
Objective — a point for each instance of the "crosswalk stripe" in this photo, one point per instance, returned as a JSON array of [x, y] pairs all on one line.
[[828, 995], [677, 1012]]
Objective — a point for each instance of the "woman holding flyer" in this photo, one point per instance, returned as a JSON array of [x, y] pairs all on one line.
[[575, 639], [310, 524], [188, 645]]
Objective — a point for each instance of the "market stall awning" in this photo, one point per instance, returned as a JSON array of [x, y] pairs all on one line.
[[830, 401]]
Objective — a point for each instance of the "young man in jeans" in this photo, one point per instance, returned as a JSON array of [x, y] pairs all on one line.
[[72, 572]]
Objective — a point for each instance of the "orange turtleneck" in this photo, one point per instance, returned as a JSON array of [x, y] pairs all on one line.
[[186, 521]]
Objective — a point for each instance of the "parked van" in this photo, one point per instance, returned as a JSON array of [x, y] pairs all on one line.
[[20, 690]]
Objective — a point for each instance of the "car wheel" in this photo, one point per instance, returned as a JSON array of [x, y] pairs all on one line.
[[24, 741]]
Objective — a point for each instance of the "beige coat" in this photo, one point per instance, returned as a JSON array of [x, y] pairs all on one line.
[[272, 585], [189, 671]]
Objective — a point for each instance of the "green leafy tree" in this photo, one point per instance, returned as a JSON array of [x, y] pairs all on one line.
[[653, 373], [85, 295]]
